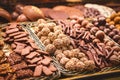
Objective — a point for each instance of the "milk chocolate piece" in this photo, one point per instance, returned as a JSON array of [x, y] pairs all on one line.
[[19, 66], [24, 73], [46, 60], [12, 25], [25, 51], [33, 45], [38, 71], [47, 71], [12, 30], [34, 60], [22, 39], [14, 58], [13, 46], [32, 55], [15, 34], [52, 67], [42, 52], [19, 48], [20, 36]]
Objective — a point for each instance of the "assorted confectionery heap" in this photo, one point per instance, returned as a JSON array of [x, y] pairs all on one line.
[[42, 42]]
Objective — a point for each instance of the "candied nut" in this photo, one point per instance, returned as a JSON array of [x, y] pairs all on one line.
[[89, 65], [64, 60], [50, 48], [80, 66], [52, 36], [66, 41], [46, 42], [71, 64], [58, 43], [45, 31], [59, 56], [60, 36], [58, 51], [57, 28], [68, 53], [83, 59]]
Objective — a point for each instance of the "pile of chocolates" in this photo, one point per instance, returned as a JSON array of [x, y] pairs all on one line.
[[63, 47], [92, 41], [25, 58]]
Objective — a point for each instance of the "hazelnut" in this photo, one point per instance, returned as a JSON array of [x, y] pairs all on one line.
[[111, 34], [112, 27], [113, 16], [116, 31], [116, 37], [100, 35], [108, 20], [107, 30], [80, 66], [110, 43], [117, 19], [22, 18]]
